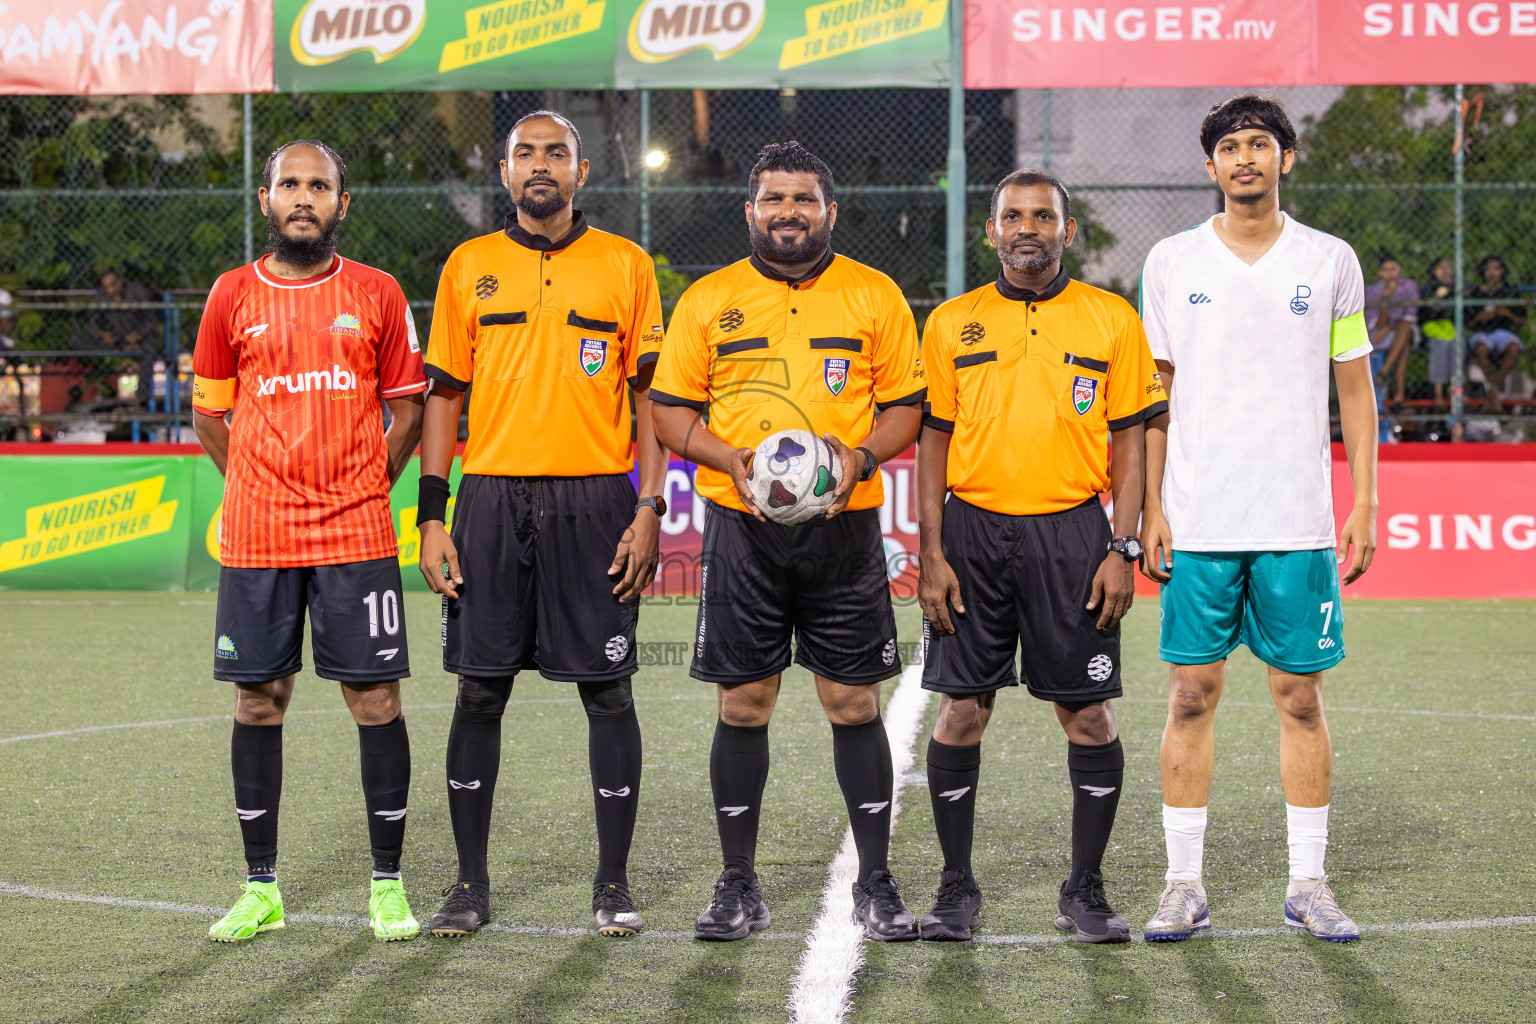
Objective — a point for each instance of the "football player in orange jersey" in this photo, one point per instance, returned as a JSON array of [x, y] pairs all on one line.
[[305, 348]]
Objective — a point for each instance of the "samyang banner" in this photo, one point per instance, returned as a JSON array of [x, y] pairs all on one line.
[[755, 44], [128, 47], [413, 45], [1022, 44]]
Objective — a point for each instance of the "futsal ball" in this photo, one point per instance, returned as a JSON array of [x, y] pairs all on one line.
[[792, 476]]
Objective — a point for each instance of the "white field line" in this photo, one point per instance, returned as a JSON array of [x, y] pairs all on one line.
[[342, 921], [512, 704], [823, 985]]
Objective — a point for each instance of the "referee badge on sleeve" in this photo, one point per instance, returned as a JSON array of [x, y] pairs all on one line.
[[1084, 390], [594, 355]]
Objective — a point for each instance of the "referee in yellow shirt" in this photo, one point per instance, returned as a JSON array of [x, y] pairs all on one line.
[[793, 337], [1029, 380], [553, 322]]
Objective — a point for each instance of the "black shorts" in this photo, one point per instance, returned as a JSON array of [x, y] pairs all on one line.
[[356, 623], [534, 553], [822, 582], [1025, 582]]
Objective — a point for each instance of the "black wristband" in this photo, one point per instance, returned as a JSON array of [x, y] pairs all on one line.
[[432, 500]]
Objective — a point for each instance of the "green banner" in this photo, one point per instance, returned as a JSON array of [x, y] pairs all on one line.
[[129, 522], [406, 45], [413, 45], [755, 44]]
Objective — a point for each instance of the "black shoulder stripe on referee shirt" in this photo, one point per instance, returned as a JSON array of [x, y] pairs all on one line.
[[446, 379], [575, 319], [1125, 422], [845, 344], [495, 319], [974, 359], [730, 348], [662, 398], [915, 398], [1097, 365]]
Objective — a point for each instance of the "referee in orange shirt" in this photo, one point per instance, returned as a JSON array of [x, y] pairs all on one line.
[[1029, 380], [794, 336], [553, 322]]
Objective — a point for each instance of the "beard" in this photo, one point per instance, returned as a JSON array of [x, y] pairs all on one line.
[[1035, 263], [542, 209], [303, 252], [810, 247]]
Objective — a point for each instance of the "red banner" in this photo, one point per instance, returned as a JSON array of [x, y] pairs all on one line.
[[1446, 527], [123, 47], [1370, 43], [1019, 44]]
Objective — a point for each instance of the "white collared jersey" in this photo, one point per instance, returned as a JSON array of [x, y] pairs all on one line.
[[1249, 466]]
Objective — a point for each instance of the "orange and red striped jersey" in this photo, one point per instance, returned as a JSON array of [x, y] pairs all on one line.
[[306, 366]]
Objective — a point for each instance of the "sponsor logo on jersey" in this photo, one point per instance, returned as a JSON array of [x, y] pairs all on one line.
[[594, 355], [971, 333], [1199, 299], [256, 331], [1100, 667], [1299, 303], [835, 373], [336, 378], [730, 320], [328, 30], [346, 323], [663, 29], [1084, 390], [486, 286], [225, 648]]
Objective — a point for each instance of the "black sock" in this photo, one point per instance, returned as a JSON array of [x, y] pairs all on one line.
[[1097, 775], [474, 760], [256, 758], [386, 758], [861, 754], [952, 776], [738, 771], [613, 755]]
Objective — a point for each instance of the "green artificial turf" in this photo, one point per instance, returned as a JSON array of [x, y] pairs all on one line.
[[1432, 822]]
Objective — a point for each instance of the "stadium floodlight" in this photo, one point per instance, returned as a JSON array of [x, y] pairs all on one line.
[[656, 159]]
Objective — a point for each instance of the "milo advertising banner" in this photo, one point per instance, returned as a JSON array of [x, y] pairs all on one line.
[[758, 44], [416, 45], [404, 45]]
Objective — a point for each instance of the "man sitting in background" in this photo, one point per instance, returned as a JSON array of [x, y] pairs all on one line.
[[1493, 327], [1391, 311]]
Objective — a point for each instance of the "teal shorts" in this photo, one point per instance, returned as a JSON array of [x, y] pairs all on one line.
[[1283, 604]]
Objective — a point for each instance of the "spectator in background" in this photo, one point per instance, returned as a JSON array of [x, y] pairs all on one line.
[[1391, 314], [1493, 326], [6, 322], [1438, 323], [128, 329]]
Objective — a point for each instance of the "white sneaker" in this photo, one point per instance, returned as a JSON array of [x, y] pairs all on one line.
[[1180, 913], [1313, 907]]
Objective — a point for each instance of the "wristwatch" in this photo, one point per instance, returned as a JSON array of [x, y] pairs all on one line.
[[658, 504], [871, 465], [1128, 547]]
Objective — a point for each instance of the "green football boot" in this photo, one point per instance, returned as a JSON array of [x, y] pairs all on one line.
[[259, 909], [388, 912]]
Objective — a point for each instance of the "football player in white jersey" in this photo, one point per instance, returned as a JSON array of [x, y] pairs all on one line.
[[1245, 313]]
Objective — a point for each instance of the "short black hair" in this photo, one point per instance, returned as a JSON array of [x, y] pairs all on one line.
[[1493, 257], [336, 160], [1032, 176], [1383, 258], [791, 156], [1248, 108], [553, 115]]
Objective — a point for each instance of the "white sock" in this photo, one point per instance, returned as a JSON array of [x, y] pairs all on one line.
[[1184, 833], [1307, 832]]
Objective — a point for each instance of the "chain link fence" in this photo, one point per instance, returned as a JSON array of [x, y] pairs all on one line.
[[117, 214]]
